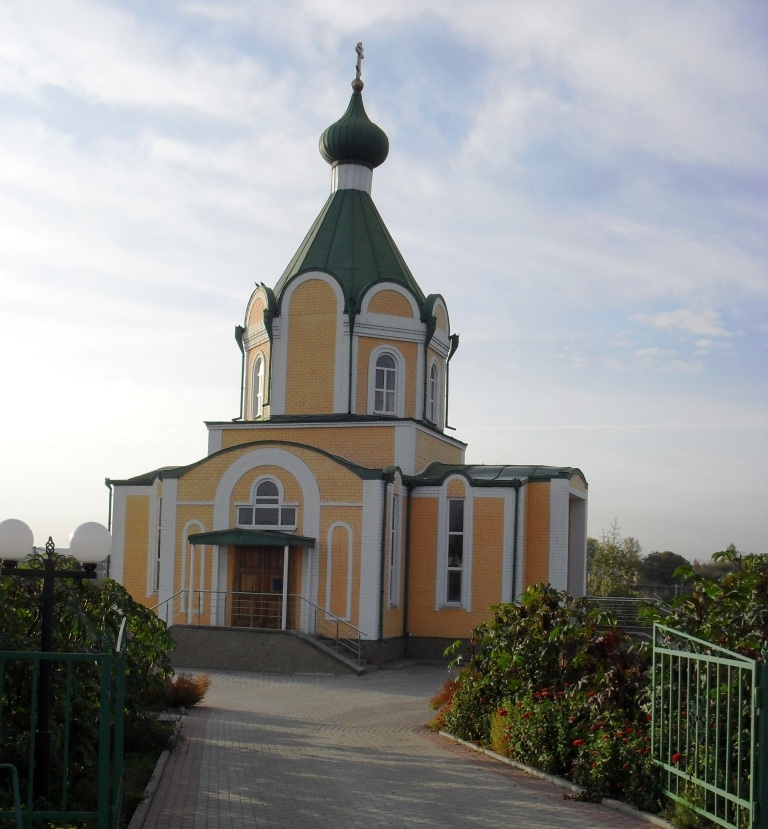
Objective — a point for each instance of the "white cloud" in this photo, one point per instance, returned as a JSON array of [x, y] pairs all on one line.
[[697, 323]]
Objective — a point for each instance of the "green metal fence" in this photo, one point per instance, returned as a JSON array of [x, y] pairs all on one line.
[[86, 738], [710, 729]]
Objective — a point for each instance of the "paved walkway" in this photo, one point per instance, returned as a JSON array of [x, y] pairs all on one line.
[[325, 752]]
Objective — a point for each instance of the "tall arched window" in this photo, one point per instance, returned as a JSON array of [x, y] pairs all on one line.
[[385, 385], [432, 408], [258, 387]]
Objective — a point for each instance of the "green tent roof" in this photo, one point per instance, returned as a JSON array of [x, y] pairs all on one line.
[[350, 241]]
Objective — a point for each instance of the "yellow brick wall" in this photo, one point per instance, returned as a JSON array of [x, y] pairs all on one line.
[[372, 447], [432, 448], [312, 321], [442, 322], [200, 483], [366, 345], [421, 601], [577, 482], [203, 515], [536, 561], [335, 482], [256, 315], [136, 553], [423, 619], [339, 571], [353, 517], [487, 544], [487, 548], [391, 303], [393, 619]]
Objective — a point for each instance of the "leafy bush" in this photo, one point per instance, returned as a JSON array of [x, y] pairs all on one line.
[[547, 640], [553, 683], [730, 611], [87, 619]]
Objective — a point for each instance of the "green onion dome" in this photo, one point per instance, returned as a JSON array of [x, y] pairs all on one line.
[[354, 138]]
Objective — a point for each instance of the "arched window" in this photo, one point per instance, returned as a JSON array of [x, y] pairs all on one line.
[[432, 408], [258, 387], [385, 385], [268, 508]]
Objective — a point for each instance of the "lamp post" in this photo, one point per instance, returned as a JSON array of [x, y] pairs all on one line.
[[89, 543]]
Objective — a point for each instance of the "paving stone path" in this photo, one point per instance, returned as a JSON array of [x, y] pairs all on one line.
[[328, 752]]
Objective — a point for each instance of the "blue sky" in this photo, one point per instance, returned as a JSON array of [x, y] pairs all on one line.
[[584, 183]]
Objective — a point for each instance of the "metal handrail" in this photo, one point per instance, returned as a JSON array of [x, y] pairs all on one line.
[[352, 644], [624, 608], [166, 604], [262, 610]]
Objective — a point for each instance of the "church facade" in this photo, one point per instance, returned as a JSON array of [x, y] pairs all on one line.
[[337, 494]]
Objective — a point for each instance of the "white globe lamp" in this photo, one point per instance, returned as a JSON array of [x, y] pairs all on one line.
[[90, 543], [16, 540]]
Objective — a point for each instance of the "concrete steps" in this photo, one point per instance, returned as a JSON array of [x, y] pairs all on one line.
[[264, 651]]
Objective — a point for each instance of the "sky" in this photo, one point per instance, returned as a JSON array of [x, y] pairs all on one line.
[[585, 184]]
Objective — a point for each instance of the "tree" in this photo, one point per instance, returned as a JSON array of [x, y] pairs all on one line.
[[656, 574], [720, 564], [612, 563], [731, 611]]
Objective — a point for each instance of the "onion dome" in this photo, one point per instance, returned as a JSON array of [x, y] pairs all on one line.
[[354, 138]]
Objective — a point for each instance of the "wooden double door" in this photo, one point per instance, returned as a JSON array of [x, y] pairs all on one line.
[[258, 588]]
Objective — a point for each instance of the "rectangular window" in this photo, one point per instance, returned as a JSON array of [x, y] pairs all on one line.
[[394, 552], [288, 516], [245, 515], [455, 550], [266, 517]]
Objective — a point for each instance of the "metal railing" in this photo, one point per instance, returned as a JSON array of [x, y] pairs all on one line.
[[262, 611], [169, 609], [96, 799], [347, 639], [710, 729], [626, 610]]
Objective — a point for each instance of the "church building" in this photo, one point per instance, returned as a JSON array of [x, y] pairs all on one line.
[[337, 497]]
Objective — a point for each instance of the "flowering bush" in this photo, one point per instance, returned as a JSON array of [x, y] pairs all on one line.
[[553, 683], [538, 732], [613, 759]]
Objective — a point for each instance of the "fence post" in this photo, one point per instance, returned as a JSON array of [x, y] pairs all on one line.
[[760, 763]]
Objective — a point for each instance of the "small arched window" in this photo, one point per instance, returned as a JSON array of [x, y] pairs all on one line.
[[432, 408], [268, 509], [385, 385], [258, 387]]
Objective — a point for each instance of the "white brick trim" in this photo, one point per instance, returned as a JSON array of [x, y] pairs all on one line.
[[117, 555], [370, 588]]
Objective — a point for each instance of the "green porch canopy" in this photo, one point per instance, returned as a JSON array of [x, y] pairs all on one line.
[[252, 538]]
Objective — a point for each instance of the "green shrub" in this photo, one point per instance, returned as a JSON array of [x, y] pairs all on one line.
[[552, 683], [87, 619], [538, 732]]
